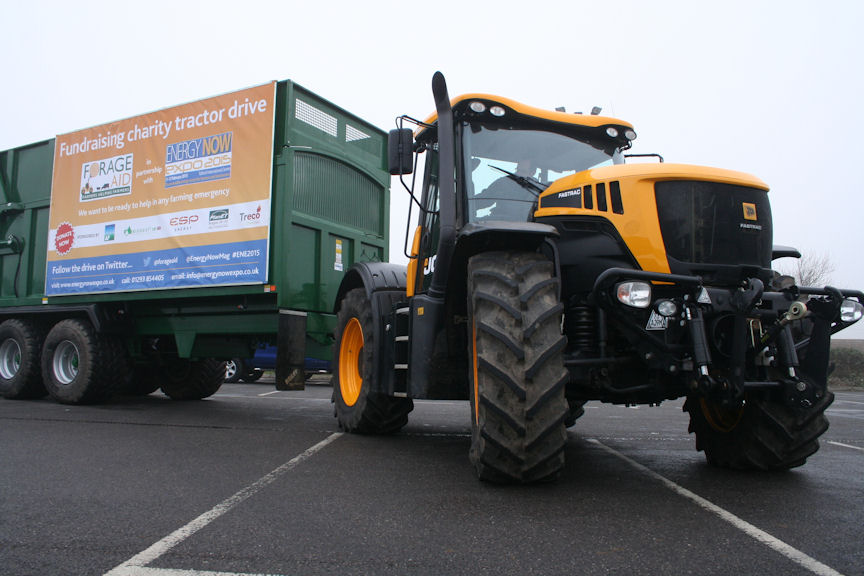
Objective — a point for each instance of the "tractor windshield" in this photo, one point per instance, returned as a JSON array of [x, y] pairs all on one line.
[[509, 167]]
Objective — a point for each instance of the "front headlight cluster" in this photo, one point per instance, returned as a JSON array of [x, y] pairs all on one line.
[[638, 295], [851, 311], [635, 294]]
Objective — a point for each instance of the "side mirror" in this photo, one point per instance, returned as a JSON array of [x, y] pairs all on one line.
[[399, 151]]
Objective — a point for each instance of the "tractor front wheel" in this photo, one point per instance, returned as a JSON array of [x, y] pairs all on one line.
[[516, 374]]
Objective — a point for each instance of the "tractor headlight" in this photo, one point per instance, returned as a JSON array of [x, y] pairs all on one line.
[[851, 311], [497, 111], [635, 294]]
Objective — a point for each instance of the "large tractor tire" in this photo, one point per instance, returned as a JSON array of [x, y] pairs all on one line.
[[763, 433], [20, 349], [358, 408], [184, 379], [80, 366], [517, 374]]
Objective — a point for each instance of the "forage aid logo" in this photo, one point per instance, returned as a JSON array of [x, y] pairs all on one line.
[[64, 239], [106, 177]]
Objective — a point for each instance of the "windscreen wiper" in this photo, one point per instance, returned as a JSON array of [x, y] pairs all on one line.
[[526, 182]]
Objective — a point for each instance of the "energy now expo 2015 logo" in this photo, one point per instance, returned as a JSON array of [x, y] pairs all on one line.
[[198, 160]]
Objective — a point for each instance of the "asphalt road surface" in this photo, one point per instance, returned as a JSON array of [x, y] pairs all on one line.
[[255, 481]]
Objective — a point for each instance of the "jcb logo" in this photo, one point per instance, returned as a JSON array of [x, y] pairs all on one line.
[[749, 211]]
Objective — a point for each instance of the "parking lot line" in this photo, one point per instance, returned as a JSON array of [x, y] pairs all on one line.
[[147, 571], [845, 445], [772, 542], [137, 565]]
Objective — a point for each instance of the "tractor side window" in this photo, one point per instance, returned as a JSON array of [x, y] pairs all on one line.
[[430, 219]]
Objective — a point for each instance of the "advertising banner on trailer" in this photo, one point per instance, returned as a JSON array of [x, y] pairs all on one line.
[[176, 198]]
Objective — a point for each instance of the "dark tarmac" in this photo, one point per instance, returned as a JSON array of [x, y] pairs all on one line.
[[255, 481]]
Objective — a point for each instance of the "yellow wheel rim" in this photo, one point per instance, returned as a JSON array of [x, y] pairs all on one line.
[[350, 380], [721, 419]]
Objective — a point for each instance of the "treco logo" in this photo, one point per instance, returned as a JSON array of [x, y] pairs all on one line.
[[253, 217]]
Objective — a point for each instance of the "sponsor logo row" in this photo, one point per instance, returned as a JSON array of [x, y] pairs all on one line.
[[66, 236]]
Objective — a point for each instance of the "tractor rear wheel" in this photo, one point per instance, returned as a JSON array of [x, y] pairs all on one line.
[[763, 433], [517, 374], [358, 408]]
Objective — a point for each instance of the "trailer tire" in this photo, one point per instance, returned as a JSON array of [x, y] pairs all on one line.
[[20, 349], [516, 374], [764, 434], [143, 380], [79, 365], [358, 409], [184, 379]]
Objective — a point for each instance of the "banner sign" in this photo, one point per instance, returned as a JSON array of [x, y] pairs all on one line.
[[172, 199]]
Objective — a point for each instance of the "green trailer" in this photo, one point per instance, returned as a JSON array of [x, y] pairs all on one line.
[[144, 253]]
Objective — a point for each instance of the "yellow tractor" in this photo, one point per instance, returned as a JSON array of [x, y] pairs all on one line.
[[546, 272]]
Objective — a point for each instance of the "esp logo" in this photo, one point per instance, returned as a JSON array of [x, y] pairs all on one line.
[[184, 220]]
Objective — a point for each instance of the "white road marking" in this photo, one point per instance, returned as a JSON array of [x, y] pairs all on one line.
[[775, 544], [269, 393], [845, 445], [145, 571], [136, 566], [841, 401]]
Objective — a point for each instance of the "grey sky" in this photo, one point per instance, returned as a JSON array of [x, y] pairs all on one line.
[[770, 88]]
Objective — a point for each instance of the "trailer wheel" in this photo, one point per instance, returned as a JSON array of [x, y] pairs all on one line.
[[764, 433], [517, 374], [357, 408], [184, 379], [142, 381], [20, 373], [80, 366]]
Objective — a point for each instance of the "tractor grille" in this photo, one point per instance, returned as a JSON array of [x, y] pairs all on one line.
[[714, 223]]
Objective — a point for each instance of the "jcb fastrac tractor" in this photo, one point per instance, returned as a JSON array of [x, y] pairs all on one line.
[[545, 272]]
